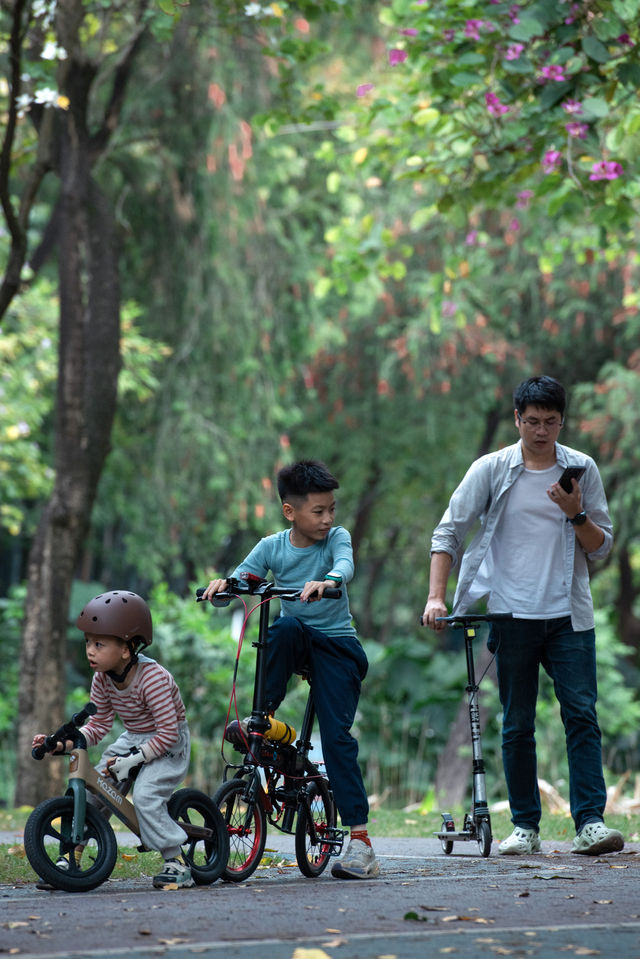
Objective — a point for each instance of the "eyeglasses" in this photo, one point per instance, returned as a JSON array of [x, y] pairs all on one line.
[[534, 423]]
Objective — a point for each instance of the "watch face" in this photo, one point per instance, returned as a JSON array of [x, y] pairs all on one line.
[[579, 519]]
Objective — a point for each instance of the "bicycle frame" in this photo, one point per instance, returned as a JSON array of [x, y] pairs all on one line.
[[83, 777]]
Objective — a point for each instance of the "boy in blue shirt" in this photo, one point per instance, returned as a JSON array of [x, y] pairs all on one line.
[[318, 638]]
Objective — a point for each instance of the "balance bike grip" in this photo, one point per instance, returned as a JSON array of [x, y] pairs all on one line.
[[39, 752], [332, 593]]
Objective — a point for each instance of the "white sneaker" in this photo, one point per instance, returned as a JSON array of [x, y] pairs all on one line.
[[358, 862], [174, 875], [595, 839], [521, 842]]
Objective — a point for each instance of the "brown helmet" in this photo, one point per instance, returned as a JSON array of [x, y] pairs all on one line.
[[118, 613]]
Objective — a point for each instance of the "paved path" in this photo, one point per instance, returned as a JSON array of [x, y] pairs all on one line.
[[424, 904]]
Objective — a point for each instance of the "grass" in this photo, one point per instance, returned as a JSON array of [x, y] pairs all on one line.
[[15, 867]]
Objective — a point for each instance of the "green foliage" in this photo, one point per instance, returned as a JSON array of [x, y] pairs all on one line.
[[481, 95]]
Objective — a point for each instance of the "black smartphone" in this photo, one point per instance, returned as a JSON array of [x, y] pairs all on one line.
[[571, 472]]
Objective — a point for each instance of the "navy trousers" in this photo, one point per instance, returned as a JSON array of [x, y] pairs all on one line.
[[336, 665]]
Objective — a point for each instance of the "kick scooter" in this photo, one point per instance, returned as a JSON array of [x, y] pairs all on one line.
[[477, 822], [69, 841]]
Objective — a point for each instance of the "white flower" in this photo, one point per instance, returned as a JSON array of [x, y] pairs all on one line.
[[52, 51], [22, 102], [252, 10], [46, 96]]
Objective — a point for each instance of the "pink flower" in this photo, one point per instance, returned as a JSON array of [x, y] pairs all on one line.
[[575, 129], [625, 40], [574, 107], [606, 170], [514, 10], [363, 89], [409, 32], [471, 238], [397, 56], [554, 71], [494, 106], [448, 308], [472, 29], [448, 35], [514, 51], [551, 161], [522, 203], [514, 225]]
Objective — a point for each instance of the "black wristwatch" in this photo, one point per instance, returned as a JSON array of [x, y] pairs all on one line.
[[579, 519]]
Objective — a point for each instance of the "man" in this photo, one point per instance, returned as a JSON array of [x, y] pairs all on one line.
[[529, 558]]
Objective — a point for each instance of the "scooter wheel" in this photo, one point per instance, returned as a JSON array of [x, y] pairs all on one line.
[[484, 838], [447, 846]]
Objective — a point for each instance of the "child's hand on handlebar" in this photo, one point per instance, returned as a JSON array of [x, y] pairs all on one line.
[[314, 589], [39, 738], [215, 586]]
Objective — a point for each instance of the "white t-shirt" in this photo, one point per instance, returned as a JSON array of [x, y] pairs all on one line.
[[524, 570]]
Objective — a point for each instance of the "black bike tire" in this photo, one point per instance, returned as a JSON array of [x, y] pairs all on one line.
[[207, 858], [484, 837], [226, 799], [312, 868], [39, 825]]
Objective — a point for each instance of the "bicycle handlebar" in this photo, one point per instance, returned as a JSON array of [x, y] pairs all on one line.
[[254, 586], [466, 619], [68, 730]]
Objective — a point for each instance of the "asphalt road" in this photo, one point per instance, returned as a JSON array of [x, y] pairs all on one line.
[[423, 904]]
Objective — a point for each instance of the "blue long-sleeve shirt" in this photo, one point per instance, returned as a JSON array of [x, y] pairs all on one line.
[[293, 566], [482, 496]]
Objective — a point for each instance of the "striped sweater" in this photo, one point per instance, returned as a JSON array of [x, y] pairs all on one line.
[[150, 704]]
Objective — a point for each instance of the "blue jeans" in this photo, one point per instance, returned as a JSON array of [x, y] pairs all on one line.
[[569, 658], [337, 665]]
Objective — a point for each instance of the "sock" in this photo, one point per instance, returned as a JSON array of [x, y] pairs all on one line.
[[362, 835]]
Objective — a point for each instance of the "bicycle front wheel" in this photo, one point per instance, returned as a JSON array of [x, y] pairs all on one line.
[[315, 820], [246, 824], [61, 862], [207, 858]]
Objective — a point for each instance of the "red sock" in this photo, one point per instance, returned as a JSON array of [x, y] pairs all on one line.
[[362, 835]]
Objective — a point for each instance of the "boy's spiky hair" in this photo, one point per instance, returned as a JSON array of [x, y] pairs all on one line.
[[306, 476]]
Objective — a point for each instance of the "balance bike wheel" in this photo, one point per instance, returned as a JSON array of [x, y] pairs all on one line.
[[56, 859], [207, 858]]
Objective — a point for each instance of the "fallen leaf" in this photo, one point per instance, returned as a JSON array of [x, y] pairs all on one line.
[[172, 942], [16, 851], [334, 943], [603, 902], [301, 953], [14, 924], [144, 932], [583, 951], [523, 895], [332, 930], [170, 886], [128, 857]]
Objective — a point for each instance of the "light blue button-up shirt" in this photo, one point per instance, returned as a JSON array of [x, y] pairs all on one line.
[[482, 495]]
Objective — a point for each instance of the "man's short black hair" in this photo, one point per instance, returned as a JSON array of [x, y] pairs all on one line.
[[307, 476], [542, 391]]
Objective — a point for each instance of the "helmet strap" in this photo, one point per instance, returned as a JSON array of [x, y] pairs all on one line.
[[120, 677]]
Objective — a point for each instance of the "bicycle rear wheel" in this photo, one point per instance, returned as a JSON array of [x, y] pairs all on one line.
[[312, 827], [246, 824], [207, 858], [59, 861]]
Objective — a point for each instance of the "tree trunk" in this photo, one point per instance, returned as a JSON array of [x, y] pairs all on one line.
[[89, 360]]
